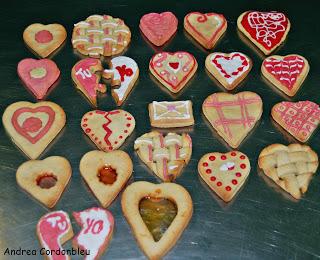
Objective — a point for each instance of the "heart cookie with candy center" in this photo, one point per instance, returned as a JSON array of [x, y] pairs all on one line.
[[205, 28], [287, 73], [44, 39], [38, 75], [108, 130], [46, 179], [106, 173], [224, 173], [300, 119], [173, 70], [32, 127]]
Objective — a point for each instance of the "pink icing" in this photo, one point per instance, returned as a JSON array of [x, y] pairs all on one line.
[[43, 36]]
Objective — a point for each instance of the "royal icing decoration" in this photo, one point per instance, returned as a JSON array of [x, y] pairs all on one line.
[[96, 231], [38, 75], [224, 173], [124, 72], [300, 119], [158, 28], [173, 69], [53, 229], [266, 29], [108, 130], [100, 35]]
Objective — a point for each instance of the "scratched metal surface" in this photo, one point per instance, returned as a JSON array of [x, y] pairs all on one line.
[[261, 222]]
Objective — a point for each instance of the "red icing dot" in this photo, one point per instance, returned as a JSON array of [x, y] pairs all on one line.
[[208, 171], [110, 148], [120, 137], [219, 183], [205, 164], [233, 154], [223, 157], [242, 157], [212, 178], [228, 188], [128, 125], [242, 166], [115, 142], [212, 158], [43, 36], [85, 119], [100, 142], [88, 130], [32, 124], [129, 118], [96, 138], [238, 174], [234, 182], [84, 125], [126, 131], [92, 134]]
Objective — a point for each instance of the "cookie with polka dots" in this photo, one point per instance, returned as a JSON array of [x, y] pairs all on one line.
[[108, 130], [225, 173]]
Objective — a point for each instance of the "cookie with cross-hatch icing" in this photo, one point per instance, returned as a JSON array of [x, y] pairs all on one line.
[[225, 173]]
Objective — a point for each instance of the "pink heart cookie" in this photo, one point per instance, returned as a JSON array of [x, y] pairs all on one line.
[[108, 130], [38, 75], [173, 70], [158, 28]]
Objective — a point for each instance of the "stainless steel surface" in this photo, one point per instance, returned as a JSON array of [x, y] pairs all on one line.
[[261, 222]]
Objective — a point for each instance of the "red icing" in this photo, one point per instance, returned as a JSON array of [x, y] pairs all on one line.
[[43, 36], [242, 157], [234, 182], [32, 124], [124, 71], [242, 166], [219, 183], [205, 164], [213, 178], [233, 153], [174, 65], [208, 171], [267, 28], [238, 174], [223, 157], [212, 158], [228, 188]]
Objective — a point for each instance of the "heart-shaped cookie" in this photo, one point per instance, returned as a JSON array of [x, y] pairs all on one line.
[[38, 75], [228, 68], [173, 70], [205, 28], [267, 30], [45, 179], [130, 202], [164, 155], [225, 173], [108, 130], [291, 167], [32, 127], [233, 116], [287, 73], [158, 28], [300, 119], [106, 173], [44, 39]]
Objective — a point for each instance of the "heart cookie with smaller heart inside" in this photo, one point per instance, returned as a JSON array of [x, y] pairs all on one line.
[[32, 127], [173, 70], [106, 173], [205, 28], [228, 68], [108, 130], [224, 173], [44, 39], [46, 179]]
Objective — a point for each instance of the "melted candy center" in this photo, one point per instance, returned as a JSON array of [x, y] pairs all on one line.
[[46, 181], [107, 175], [157, 214]]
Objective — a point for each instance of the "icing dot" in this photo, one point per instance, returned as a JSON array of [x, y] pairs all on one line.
[[212, 178], [43, 36], [85, 119], [110, 148], [96, 138], [115, 142], [238, 174], [219, 183], [185, 69], [84, 125], [174, 77], [90, 113], [162, 72], [159, 55], [242, 157], [129, 118], [38, 73], [128, 125], [242, 166], [158, 64], [120, 137], [233, 154], [32, 124], [179, 55], [212, 158], [100, 142], [234, 182], [205, 164], [208, 171], [228, 188], [88, 130], [125, 131], [223, 157]]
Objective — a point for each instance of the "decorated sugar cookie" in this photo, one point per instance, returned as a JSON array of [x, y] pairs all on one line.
[[158, 28], [300, 119], [267, 30], [168, 114], [108, 130], [46, 179], [96, 231], [205, 28], [233, 116], [53, 230], [164, 155], [157, 214], [44, 39], [100, 35], [291, 167], [38, 75], [173, 70], [228, 68], [225, 173], [86, 78], [106, 173], [32, 127], [287, 73], [123, 73]]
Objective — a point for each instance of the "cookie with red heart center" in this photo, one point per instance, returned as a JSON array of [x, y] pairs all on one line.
[[300, 119], [228, 68], [205, 28], [224, 173], [287, 73], [108, 130], [267, 30], [158, 28], [173, 70], [32, 127], [38, 75], [44, 39]]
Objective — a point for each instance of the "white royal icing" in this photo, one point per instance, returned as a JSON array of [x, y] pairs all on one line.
[[226, 166], [171, 107]]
